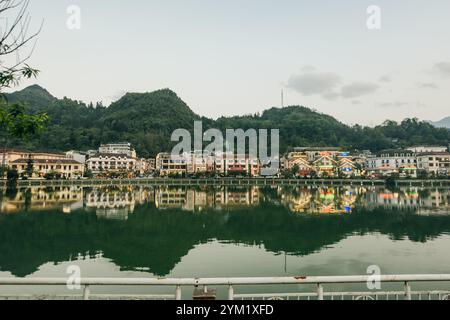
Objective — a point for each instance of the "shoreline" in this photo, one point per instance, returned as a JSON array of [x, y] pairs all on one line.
[[227, 182]]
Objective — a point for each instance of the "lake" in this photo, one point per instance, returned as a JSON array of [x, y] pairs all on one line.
[[222, 232]]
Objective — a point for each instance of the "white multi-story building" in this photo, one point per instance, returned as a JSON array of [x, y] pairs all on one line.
[[437, 163], [393, 161], [118, 148], [77, 156], [111, 162], [427, 149]]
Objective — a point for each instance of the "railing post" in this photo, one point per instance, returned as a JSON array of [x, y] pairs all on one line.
[[178, 293], [86, 292], [319, 291], [230, 293], [407, 291]]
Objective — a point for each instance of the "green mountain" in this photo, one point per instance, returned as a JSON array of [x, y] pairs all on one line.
[[39, 97], [444, 123], [147, 120]]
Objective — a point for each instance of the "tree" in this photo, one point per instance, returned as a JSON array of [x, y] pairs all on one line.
[[29, 169], [88, 174], [12, 176], [14, 121], [14, 38], [422, 174], [295, 170]]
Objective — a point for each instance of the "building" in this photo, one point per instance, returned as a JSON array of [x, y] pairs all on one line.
[[118, 148], [42, 164], [197, 162], [325, 165], [42, 167], [145, 166], [111, 162], [298, 160], [10, 155], [321, 162], [389, 162], [77, 155], [240, 164], [360, 157], [435, 163], [167, 165], [313, 153], [346, 165], [428, 149]]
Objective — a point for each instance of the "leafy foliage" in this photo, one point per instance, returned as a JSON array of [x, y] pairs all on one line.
[[16, 122]]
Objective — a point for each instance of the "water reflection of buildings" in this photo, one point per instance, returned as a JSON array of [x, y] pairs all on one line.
[[405, 199], [435, 202], [422, 201], [320, 200], [38, 199], [199, 199], [117, 203], [120, 202]]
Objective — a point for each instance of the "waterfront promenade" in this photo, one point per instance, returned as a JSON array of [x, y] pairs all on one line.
[[226, 182], [317, 289]]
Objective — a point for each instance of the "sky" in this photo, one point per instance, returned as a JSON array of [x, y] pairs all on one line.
[[233, 57]]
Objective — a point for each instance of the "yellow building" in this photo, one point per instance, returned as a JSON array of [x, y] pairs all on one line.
[[42, 167]]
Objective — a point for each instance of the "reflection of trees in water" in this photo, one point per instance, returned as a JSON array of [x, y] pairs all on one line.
[[157, 240]]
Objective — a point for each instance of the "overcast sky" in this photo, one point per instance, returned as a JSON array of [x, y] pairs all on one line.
[[234, 57]]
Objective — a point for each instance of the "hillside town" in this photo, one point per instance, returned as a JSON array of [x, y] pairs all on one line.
[[120, 160]]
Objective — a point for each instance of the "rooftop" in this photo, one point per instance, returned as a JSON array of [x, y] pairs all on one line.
[[317, 149], [52, 161], [110, 155]]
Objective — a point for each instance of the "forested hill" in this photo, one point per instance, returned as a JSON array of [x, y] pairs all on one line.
[[148, 119]]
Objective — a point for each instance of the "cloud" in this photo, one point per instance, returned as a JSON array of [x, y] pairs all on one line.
[[312, 82], [442, 68], [329, 85], [356, 102], [401, 104], [396, 104], [331, 95], [427, 85], [308, 69], [385, 78], [358, 89]]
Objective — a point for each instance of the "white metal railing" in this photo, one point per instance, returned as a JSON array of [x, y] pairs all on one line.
[[231, 283]]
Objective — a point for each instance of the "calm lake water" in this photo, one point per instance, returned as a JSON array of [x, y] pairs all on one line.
[[222, 232]]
